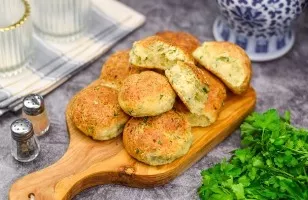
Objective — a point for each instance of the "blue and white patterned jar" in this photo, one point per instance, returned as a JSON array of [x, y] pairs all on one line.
[[261, 27]]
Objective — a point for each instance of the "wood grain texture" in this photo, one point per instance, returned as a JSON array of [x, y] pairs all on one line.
[[88, 163]]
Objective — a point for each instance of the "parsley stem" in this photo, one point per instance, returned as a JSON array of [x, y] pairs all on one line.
[[304, 152], [303, 157], [262, 140], [280, 171], [224, 189]]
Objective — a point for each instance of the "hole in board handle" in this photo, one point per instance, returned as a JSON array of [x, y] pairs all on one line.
[[31, 196]]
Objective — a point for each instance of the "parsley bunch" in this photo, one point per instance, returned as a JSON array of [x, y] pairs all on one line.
[[272, 163]]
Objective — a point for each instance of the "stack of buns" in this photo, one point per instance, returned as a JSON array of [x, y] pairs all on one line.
[[155, 92]]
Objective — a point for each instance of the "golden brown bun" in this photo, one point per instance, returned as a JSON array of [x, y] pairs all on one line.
[[146, 94], [182, 39], [200, 91], [216, 95], [157, 52], [227, 61], [158, 140], [96, 112], [117, 68]]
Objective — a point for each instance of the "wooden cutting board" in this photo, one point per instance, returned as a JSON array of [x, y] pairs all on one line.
[[88, 163]]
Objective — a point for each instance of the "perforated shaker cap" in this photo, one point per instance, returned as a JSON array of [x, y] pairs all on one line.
[[33, 104], [21, 129]]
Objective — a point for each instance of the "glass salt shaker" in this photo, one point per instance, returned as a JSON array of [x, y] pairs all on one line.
[[25, 147], [34, 110]]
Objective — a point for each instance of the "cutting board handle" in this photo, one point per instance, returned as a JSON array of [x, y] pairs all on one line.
[[74, 172]]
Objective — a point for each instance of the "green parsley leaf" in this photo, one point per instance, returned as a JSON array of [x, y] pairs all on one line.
[[223, 58], [238, 189]]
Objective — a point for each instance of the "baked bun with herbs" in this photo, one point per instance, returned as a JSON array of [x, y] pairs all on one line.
[[146, 94], [200, 91], [158, 52], [96, 112], [227, 61], [117, 68], [182, 39], [158, 140]]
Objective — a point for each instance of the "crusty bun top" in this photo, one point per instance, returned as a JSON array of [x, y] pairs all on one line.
[[146, 94], [182, 39], [117, 68], [96, 109], [157, 140]]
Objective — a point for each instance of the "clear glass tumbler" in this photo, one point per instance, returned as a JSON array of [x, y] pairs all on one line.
[[60, 19], [15, 36]]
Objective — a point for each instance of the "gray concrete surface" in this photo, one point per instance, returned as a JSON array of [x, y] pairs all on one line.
[[280, 84]]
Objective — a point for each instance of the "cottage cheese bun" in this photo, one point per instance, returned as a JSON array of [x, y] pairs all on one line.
[[158, 140], [96, 112], [193, 119], [146, 94], [117, 68], [228, 62], [200, 91], [157, 52], [182, 39]]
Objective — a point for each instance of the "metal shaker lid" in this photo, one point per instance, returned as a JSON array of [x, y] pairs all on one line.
[[33, 104], [21, 129]]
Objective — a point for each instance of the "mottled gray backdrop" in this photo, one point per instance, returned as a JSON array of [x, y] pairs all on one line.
[[280, 84]]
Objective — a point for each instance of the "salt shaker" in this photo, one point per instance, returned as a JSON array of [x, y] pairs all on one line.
[[24, 147], [34, 110]]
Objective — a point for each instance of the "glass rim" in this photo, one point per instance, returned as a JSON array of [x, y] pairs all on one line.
[[21, 20]]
